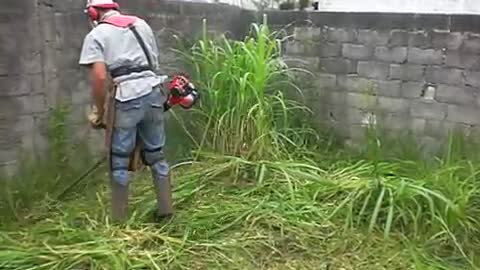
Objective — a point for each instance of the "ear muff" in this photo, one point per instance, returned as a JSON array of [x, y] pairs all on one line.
[[92, 13]]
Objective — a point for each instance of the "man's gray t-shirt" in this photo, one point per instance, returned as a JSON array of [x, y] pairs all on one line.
[[118, 47]]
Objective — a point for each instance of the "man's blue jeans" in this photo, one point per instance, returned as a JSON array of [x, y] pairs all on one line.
[[144, 117]]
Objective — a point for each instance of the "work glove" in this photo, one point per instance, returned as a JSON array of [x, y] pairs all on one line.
[[96, 119]]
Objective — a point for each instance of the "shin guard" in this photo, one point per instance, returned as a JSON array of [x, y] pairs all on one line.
[[163, 192], [119, 202]]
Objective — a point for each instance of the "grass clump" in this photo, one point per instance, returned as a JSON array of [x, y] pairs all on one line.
[[243, 110]]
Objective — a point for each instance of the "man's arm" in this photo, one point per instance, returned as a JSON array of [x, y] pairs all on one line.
[[92, 56], [98, 74]]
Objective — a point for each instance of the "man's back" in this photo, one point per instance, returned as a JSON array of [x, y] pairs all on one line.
[[118, 47], [135, 120]]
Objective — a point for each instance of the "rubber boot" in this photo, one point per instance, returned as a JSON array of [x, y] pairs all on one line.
[[163, 191], [119, 203]]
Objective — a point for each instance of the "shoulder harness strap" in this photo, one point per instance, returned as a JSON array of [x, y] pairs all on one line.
[[124, 21]]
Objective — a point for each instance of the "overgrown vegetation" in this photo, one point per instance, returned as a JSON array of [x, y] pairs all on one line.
[[45, 175], [244, 111], [261, 191]]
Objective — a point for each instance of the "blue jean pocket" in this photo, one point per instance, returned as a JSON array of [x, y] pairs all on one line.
[[156, 113], [156, 108], [129, 105], [128, 114]]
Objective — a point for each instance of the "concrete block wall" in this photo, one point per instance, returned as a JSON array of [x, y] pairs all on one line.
[[406, 73], [410, 72], [23, 102], [41, 43]]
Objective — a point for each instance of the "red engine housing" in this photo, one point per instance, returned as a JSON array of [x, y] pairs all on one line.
[[182, 92]]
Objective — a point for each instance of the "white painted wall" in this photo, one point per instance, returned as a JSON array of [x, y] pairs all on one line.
[[395, 6], [247, 4], [410, 6]]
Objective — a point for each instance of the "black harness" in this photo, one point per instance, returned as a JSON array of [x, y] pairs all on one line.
[[122, 71], [126, 70]]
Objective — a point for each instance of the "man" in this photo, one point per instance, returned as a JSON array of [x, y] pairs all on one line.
[[125, 47]]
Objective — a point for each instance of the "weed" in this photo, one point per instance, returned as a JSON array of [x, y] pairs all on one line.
[[47, 175], [243, 110]]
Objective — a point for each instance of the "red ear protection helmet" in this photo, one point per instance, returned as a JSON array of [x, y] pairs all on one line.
[[92, 6]]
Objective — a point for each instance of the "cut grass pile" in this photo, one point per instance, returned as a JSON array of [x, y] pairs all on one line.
[[283, 221]]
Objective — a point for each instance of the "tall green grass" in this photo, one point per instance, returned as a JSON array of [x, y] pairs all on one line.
[[243, 109], [390, 187]]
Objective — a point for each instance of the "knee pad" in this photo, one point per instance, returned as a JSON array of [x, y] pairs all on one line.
[[152, 156], [119, 167], [160, 170], [120, 177], [155, 159]]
